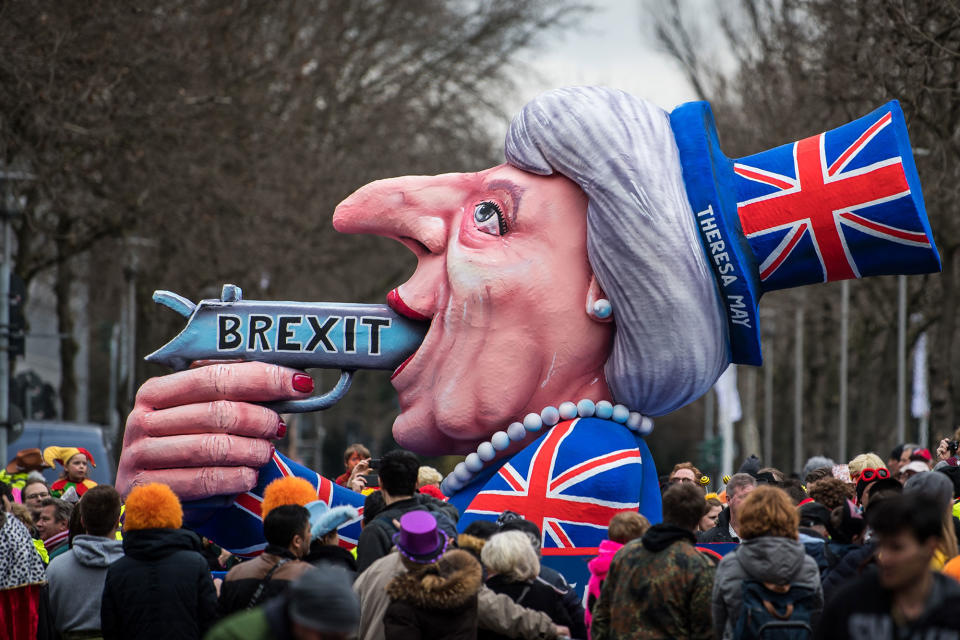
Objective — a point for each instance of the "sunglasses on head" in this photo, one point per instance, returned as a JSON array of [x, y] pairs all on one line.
[[869, 475]]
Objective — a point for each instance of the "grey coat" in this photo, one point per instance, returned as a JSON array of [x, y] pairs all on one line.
[[768, 559], [76, 581]]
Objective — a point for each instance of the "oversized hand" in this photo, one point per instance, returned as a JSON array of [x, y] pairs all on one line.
[[198, 431]]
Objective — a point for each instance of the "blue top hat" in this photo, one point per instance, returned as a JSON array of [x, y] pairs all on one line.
[[842, 204]]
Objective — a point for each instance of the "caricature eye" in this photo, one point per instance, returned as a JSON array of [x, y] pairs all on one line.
[[489, 218]]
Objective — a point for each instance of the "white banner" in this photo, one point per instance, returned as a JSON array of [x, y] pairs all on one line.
[[920, 403]]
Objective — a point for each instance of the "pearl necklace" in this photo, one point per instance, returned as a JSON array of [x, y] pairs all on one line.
[[486, 452]]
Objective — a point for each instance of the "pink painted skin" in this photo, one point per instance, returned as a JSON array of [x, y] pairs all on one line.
[[510, 333]]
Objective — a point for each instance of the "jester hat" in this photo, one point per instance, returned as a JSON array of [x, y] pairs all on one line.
[[63, 455], [838, 205]]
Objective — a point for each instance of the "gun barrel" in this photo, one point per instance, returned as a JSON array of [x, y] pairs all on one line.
[[302, 335]]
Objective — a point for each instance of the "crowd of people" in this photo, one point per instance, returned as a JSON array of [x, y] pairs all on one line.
[[863, 549]]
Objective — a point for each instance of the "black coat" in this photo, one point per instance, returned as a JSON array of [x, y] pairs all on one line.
[[376, 539], [721, 532], [538, 595], [160, 588]]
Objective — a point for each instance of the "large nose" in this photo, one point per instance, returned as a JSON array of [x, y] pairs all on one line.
[[417, 210]]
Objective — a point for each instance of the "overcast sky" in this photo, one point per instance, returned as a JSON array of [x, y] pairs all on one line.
[[609, 47]]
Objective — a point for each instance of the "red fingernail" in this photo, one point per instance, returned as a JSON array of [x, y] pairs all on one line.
[[302, 382], [282, 429]]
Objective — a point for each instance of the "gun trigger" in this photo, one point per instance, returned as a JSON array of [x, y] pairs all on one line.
[[174, 301]]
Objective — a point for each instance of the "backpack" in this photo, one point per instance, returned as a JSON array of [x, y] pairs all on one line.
[[783, 612]]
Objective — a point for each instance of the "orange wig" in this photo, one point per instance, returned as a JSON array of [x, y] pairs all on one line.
[[287, 490], [152, 506]]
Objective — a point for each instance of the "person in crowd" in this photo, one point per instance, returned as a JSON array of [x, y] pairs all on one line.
[[325, 541], [34, 492], [953, 473], [867, 477], [352, 456], [794, 488], [770, 554], [659, 586], [813, 534], [923, 455], [893, 460], [75, 462], [287, 530], [901, 597], [728, 522], [829, 491], [22, 580], [770, 475], [684, 472], [398, 484], [436, 597], [475, 536], [709, 519], [814, 476], [946, 457], [937, 487], [319, 605], [495, 612], [856, 560], [815, 463], [77, 576], [912, 468], [53, 525], [26, 465], [428, 482], [573, 603], [373, 505], [864, 461], [624, 527], [846, 527], [161, 587], [512, 569]]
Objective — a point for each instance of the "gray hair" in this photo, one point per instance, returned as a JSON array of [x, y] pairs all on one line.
[[738, 482], [816, 462], [510, 554], [671, 340], [62, 509]]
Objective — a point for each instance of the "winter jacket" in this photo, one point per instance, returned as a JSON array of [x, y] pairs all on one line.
[[376, 539], [598, 567], [438, 602], [768, 559], [569, 597], [535, 594], [495, 611], [332, 554], [815, 546], [721, 532], [160, 588], [242, 582], [657, 587], [76, 581], [862, 609], [847, 569]]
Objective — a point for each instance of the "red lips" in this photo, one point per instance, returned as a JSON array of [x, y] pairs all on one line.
[[397, 304]]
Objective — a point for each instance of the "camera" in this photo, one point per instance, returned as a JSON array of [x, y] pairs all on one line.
[[952, 446], [374, 463]]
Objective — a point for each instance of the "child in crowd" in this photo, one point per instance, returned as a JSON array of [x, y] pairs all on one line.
[[74, 461], [624, 527]]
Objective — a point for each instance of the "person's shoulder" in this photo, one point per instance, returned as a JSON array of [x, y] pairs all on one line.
[[250, 624], [61, 563]]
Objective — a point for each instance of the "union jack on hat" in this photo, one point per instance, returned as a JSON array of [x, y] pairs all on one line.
[[838, 205]]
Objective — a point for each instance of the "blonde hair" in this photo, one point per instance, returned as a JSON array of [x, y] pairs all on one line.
[[428, 475], [768, 511], [510, 554], [865, 461]]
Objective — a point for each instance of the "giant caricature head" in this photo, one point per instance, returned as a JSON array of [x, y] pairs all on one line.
[[511, 259]]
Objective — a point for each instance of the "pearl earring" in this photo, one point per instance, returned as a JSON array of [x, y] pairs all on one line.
[[602, 308]]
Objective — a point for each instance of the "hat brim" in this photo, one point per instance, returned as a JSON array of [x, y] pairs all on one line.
[[426, 557]]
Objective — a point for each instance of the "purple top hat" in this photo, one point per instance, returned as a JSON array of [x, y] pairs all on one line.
[[420, 540]]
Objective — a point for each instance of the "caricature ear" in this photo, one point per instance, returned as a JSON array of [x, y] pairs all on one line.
[[598, 305]]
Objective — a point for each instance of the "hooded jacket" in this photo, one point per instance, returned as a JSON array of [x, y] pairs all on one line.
[[160, 588], [769, 559], [76, 578], [438, 602], [599, 567], [376, 539], [657, 587]]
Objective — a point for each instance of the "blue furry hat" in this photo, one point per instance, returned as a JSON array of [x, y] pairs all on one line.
[[324, 519]]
